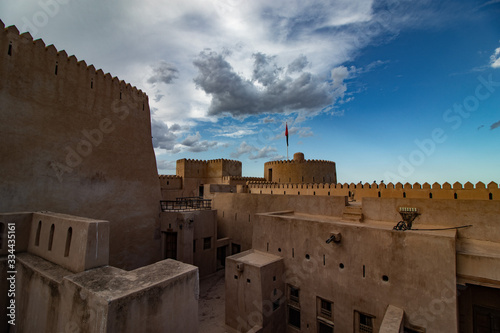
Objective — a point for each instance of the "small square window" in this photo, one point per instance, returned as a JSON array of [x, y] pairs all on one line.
[[324, 309], [364, 322], [207, 243], [293, 294]]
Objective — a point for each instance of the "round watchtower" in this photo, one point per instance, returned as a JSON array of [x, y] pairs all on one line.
[[300, 170]]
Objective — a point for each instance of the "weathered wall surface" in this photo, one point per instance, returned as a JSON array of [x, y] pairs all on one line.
[[192, 228], [483, 215], [162, 297], [255, 292], [236, 211], [195, 173], [351, 273], [75, 243], [77, 141]]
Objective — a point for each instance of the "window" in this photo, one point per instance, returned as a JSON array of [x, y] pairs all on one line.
[[293, 294], [37, 237], [363, 322], [235, 248], [324, 308], [324, 327], [294, 317], [51, 237], [486, 319], [276, 304], [2, 227], [68, 241], [207, 243]]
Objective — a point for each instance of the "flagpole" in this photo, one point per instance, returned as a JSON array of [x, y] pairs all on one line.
[[286, 136]]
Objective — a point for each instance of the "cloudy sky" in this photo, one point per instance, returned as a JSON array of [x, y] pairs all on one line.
[[390, 90]]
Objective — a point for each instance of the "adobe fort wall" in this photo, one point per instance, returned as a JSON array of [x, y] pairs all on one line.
[[77, 141], [195, 173], [468, 191], [187, 168], [63, 281], [300, 170], [236, 212]]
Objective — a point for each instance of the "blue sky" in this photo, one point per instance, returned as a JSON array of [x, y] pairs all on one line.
[[390, 90]]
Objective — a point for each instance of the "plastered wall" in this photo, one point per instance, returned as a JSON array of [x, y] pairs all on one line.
[[77, 141]]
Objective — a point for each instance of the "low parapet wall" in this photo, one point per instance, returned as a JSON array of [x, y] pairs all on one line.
[[75, 243], [468, 191]]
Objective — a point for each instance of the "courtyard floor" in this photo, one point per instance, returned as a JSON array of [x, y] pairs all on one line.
[[211, 303]]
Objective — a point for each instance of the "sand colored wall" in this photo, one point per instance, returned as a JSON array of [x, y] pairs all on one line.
[[162, 297], [253, 284], [236, 211], [377, 248], [77, 141], [75, 243], [187, 168], [457, 191], [483, 215], [195, 173], [193, 226], [22, 222], [300, 170]]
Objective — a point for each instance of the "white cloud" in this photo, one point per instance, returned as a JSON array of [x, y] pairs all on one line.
[[255, 153], [166, 167], [163, 137], [495, 59]]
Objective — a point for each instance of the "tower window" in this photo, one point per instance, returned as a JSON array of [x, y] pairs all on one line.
[[38, 230], [68, 241], [51, 237]]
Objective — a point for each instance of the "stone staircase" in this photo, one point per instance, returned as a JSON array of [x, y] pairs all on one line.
[[353, 212]]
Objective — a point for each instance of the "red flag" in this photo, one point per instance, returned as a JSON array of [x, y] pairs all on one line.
[[286, 134]]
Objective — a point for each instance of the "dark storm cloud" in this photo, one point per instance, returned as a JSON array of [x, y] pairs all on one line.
[[163, 72], [298, 64], [264, 70], [163, 137], [193, 143], [240, 97]]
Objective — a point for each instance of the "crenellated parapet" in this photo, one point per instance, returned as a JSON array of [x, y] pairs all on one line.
[[300, 170], [467, 191], [218, 168], [61, 78], [169, 177], [170, 182]]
